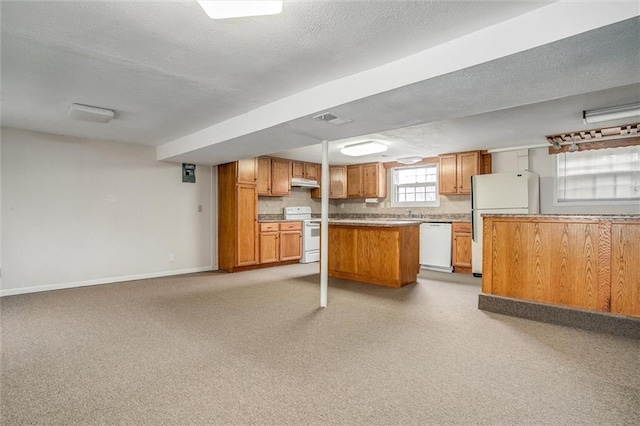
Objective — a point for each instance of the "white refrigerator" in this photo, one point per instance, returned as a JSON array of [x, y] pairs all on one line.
[[500, 193]]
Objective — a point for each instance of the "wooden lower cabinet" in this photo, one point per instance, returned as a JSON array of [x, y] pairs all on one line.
[[269, 248], [290, 241], [461, 247], [280, 241], [588, 262]]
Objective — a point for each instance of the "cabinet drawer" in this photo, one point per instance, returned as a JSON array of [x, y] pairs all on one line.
[[271, 226], [290, 226], [462, 227]]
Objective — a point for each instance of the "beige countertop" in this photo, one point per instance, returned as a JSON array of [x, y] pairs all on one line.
[[377, 223], [567, 217]]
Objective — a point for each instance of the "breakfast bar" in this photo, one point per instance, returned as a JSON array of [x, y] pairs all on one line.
[[378, 252]]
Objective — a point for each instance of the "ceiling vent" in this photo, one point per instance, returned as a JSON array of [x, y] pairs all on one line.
[[332, 118]]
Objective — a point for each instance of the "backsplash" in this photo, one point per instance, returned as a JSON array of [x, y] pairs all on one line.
[[449, 205], [298, 197]]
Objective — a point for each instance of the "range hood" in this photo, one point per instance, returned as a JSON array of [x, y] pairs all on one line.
[[304, 183]]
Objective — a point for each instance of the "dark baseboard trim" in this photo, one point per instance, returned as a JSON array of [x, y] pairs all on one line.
[[601, 322]]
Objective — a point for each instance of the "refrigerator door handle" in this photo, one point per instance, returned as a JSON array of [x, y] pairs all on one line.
[[473, 225]]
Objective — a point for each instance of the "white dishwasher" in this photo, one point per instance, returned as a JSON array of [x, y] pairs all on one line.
[[435, 246]]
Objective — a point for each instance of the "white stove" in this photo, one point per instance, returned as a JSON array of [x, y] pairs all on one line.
[[310, 232]]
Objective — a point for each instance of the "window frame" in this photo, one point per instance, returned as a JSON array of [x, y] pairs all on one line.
[[408, 204], [590, 202]]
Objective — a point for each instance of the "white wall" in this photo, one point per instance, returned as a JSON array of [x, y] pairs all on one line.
[[80, 212], [544, 164]]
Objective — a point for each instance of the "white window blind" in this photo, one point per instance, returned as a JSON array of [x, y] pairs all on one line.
[[415, 186], [611, 174]]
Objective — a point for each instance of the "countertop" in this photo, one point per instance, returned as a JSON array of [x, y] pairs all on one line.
[[374, 223], [568, 217], [438, 218]]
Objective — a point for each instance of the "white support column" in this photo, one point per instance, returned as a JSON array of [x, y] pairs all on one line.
[[324, 226]]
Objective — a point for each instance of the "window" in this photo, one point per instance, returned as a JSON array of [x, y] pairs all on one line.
[[601, 175], [415, 186]]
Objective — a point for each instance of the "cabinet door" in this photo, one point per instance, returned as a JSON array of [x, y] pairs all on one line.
[[354, 181], [246, 225], [264, 176], [290, 245], [298, 169], [461, 246], [247, 171], [374, 180], [312, 171], [280, 177], [338, 182], [269, 247], [447, 172], [468, 164]]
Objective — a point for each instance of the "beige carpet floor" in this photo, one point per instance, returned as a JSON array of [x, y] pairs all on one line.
[[254, 348]]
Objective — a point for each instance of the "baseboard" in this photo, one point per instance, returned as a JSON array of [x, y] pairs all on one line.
[[100, 281], [601, 322]]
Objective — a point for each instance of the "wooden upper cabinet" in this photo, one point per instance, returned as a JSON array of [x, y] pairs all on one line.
[[264, 176], [274, 176], [366, 180], [247, 171], [297, 169], [374, 180], [354, 181], [280, 177], [338, 182], [468, 164], [312, 171], [455, 171], [304, 170]]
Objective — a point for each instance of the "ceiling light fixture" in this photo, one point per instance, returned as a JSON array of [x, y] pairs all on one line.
[[611, 113], [363, 148], [240, 8], [90, 113], [408, 160]]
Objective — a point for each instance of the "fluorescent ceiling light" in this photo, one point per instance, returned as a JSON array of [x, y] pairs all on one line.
[[240, 8], [363, 148], [90, 113], [611, 113], [408, 160]]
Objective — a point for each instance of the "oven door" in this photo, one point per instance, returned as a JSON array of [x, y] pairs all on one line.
[[311, 236]]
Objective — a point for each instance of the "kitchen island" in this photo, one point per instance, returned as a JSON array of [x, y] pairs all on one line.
[[382, 252], [580, 263]]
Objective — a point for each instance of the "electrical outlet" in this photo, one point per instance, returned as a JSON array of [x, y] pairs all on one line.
[[172, 257]]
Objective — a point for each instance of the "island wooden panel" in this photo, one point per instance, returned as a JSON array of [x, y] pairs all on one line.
[[581, 262], [625, 268], [383, 255]]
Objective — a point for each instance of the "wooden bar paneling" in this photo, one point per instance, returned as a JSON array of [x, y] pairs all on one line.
[[625, 269], [584, 262]]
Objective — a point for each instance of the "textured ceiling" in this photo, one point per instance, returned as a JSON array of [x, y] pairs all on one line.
[[169, 71]]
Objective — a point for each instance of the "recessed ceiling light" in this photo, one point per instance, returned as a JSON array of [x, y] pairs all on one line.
[[90, 113], [363, 148], [240, 8]]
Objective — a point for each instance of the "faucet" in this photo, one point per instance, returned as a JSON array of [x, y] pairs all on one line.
[[409, 215]]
